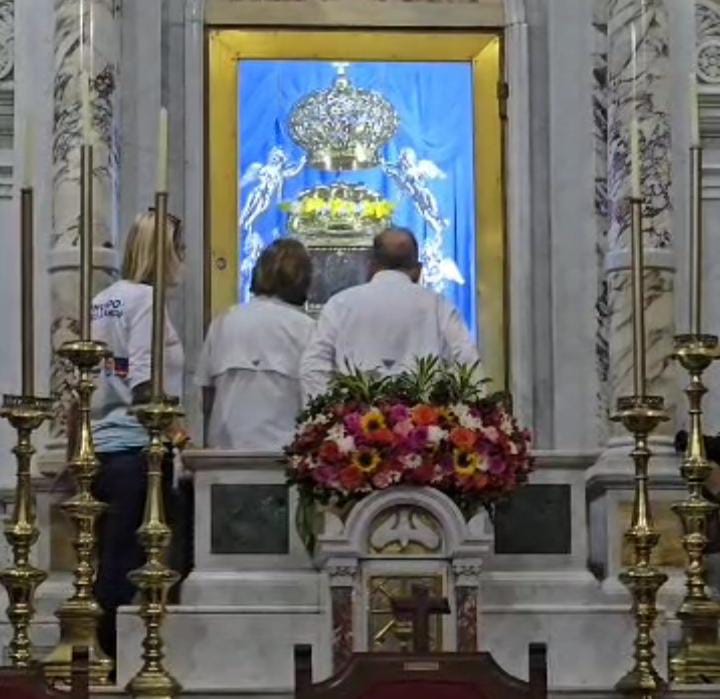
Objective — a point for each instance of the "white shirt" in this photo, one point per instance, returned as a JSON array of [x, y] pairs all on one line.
[[383, 325], [122, 318], [251, 358]]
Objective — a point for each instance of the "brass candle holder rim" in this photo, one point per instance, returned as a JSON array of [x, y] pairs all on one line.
[[22, 403], [166, 405], [702, 345], [709, 339], [643, 403], [84, 352]]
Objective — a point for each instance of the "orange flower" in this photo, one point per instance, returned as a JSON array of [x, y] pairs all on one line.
[[463, 438], [372, 421], [425, 415], [367, 460]]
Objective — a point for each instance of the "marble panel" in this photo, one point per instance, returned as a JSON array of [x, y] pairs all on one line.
[[535, 520], [249, 519]]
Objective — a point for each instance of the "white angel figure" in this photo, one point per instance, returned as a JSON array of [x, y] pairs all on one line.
[[438, 270], [253, 246], [270, 179], [412, 176]]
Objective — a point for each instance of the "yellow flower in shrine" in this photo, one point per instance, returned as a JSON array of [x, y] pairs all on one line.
[[313, 206], [340, 208]]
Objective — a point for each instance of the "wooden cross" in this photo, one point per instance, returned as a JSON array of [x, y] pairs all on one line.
[[418, 609]]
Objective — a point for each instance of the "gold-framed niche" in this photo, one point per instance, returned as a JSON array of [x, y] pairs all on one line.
[[482, 49]]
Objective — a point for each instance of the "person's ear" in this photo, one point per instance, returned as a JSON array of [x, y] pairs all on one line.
[[416, 273]]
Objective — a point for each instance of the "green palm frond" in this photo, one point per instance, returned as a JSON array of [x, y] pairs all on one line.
[[462, 383]]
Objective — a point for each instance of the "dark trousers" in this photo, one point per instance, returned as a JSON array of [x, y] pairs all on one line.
[[121, 483]]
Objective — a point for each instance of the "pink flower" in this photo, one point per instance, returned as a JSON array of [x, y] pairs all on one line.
[[384, 479], [491, 433], [404, 428], [411, 461], [498, 466], [417, 439], [399, 413], [353, 424]]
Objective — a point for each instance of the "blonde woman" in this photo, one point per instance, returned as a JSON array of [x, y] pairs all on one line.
[[122, 318]]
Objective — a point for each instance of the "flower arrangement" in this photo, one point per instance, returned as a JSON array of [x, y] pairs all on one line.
[[432, 426], [337, 211]]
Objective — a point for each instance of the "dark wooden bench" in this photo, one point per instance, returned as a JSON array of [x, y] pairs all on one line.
[[30, 683], [422, 676]]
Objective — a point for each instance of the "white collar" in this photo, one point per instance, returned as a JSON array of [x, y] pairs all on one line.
[[390, 275]]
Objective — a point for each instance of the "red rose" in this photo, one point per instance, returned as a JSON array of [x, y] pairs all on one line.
[[351, 478], [329, 453], [383, 437]]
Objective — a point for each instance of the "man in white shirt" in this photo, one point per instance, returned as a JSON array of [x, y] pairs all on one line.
[[385, 324], [251, 357]]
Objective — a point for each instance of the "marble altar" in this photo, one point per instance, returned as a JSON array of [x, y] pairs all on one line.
[[257, 591]]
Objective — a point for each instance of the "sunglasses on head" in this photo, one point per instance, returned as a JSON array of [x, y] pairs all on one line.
[[175, 220]]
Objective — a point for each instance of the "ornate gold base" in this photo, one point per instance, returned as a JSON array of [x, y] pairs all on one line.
[[78, 627], [154, 579], [698, 660], [20, 585], [21, 579], [640, 415], [643, 680], [159, 684], [697, 663], [79, 615]]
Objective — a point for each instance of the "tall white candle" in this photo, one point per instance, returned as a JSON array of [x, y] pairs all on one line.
[[634, 126], [694, 116], [635, 158], [85, 107], [162, 162], [29, 152]]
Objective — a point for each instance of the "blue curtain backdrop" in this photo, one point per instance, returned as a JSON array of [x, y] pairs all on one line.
[[435, 105]]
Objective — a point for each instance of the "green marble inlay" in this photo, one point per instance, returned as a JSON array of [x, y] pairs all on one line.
[[249, 519]]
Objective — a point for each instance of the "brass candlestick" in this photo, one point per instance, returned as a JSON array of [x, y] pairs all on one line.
[[640, 415], [25, 414], [154, 579], [79, 615], [698, 660]]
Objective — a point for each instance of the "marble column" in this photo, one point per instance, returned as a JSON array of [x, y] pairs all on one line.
[[102, 46], [650, 19], [706, 61], [342, 577], [466, 577]]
